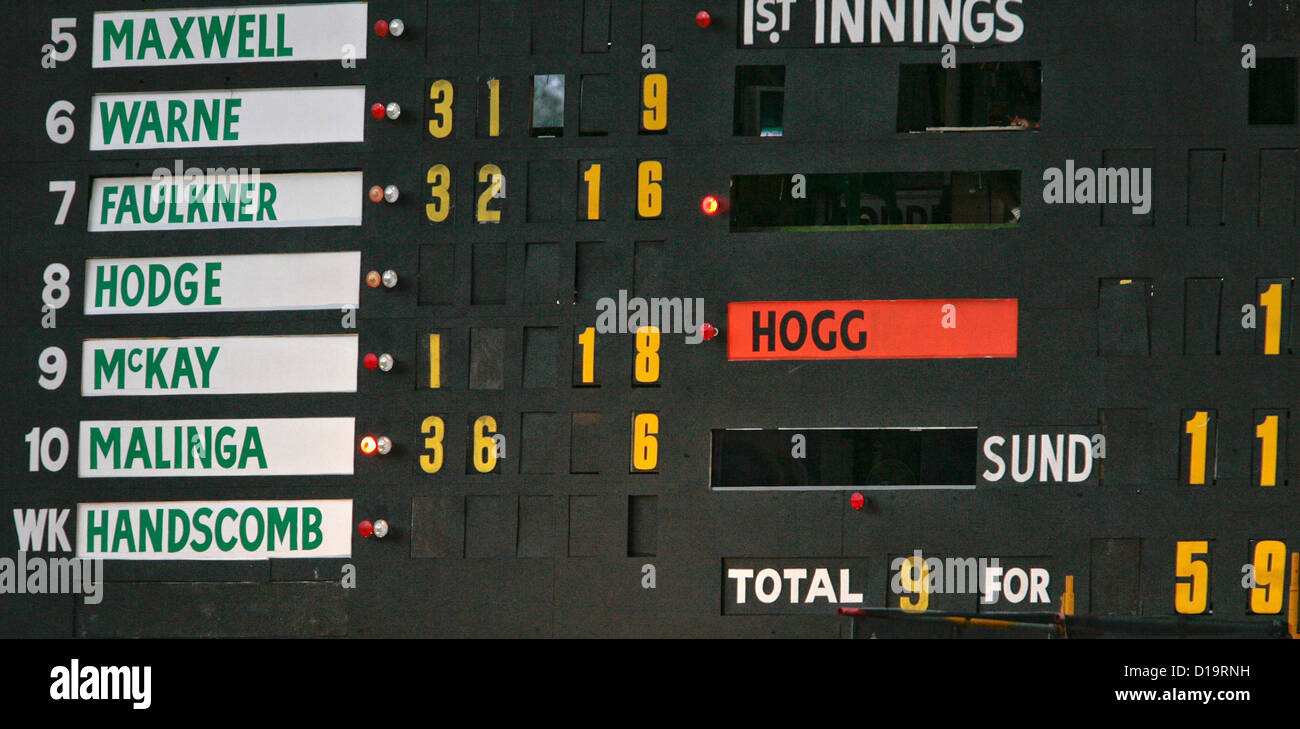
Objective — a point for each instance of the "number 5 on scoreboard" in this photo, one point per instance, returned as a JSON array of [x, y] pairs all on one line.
[[1192, 597]]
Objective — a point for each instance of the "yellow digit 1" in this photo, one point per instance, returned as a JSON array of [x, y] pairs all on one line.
[[438, 177], [440, 92], [1267, 434], [1198, 428], [492, 175], [1271, 300], [654, 97], [433, 427], [435, 361], [1191, 598], [494, 107], [588, 341], [910, 584], [649, 193], [485, 448], [646, 367], [1270, 577], [592, 176], [645, 446]]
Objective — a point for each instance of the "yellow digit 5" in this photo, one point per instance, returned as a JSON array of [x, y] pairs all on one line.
[[433, 426], [439, 177], [919, 587], [649, 193], [485, 448], [1270, 577], [441, 93], [1191, 598], [654, 97], [645, 446], [646, 367], [490, 174]]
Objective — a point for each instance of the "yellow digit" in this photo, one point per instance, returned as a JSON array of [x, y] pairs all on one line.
[[1191, 598], [1271, 300], [920, 587], [646, 367], [435, 361], [654, 97], [1270, 577], [645, 446], [433, 426], [1267, 434], [490, 174], [440, 178], [441, 94], [588, 341], [1198, 428], [485, 448], [494, 107], [649, 193], [592, 177]]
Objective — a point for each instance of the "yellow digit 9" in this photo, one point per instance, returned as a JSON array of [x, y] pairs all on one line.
[[654, 99], [490, 174], [433, 427], [1270, 577], [1192, 597], [439, 178], [649, 191], [919, 587], [646, 368], [645, 446], [485, 448], [441, 94]]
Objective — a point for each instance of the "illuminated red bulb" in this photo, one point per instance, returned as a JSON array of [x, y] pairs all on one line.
[[369, 444], [857, 501], [710, 205], [365, 529], [371, 361], [378, 110], [376, 194], [381, 28], [703, 19], [708, 331], [373, 279]]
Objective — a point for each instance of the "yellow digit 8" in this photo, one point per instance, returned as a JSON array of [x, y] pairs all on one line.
[[646, 367], [649, 191], [645, 446], [919, 587], [654, 97], [1192, 597], [441, 94], [439, 178], [1270, 577], [485, 448], [433, 427]]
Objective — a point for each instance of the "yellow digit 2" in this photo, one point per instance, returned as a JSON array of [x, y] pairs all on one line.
[[1267, 434], [1192, 597], [485, 448], [432, 426], [1198, 428], [439, 177], [1271, 300], [654, 97], [1270, 577], [645, 446], [646, 367], [649, 192], [490, 174], [440, 93]]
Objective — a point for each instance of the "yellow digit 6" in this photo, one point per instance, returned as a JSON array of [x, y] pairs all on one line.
[[654, 97], [432, 425], [440, 92], [485, 448], [439, 177], [646, 367], [649, 193], [645, 446], [1191, 598]]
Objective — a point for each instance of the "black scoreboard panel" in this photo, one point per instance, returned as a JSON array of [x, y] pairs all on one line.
[[698, 325]]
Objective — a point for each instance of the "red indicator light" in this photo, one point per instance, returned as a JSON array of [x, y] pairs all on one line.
[[365, 529], [709, 205], [857, 501], [376, 194], [702, 19], [371, 361], [378, 110], [368, 445], [373, 279], [708, 331], [381, 28]]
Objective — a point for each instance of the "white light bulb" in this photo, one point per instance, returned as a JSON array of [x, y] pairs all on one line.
[[393, 110], [383, 445], [381, 528], [391, 193], [385, 362], [396, 26], [390, 278]]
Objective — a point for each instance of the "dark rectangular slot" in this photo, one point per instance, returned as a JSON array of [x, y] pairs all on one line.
[[972, 96], [541, 356], [584, 443], [594, 105], [1273, 87], [1124, 187], [486, 354], [1277, 187], [642, 526], [489, 281], [537, 527], [546, 186], [1128, 447], [538, 443], [1124, 317], [1202, 302], [438, 526], [760, 101], [1115, 577], [437, 284], [595, 26], [584, 534], [543, 281], [489, 527], [1205, 186]]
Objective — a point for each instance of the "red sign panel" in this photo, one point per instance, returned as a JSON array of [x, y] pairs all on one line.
[[902, 329]]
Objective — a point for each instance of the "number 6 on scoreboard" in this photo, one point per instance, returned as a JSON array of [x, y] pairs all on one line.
[[645, 446]]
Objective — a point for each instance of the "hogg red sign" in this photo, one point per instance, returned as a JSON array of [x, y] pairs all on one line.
[[901, 329]]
